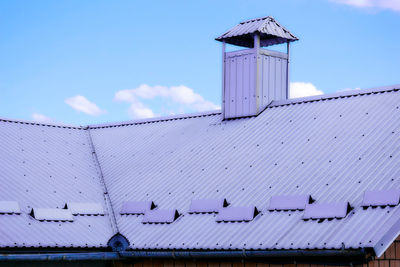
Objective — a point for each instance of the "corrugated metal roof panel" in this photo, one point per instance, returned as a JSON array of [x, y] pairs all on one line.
[[47, 166], [271, 32], [285, 202], [207, 205], [333, 148], [381, 198]]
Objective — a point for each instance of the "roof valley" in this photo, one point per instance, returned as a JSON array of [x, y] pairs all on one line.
[[106, 196]]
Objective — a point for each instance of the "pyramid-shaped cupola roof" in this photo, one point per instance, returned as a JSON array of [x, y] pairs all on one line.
[[271, 33]]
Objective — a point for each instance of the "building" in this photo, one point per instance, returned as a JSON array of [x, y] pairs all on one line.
[[266, 180]]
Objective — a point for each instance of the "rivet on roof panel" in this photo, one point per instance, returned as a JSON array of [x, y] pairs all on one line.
[[136, 207], [48, 214], [293, 202], [381, 198], [160, 216], [207, 205], [84, 208], [9, 207], [326, 210], [237, 214]]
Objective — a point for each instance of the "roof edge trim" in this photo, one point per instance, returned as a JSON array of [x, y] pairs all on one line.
[[388, 238], [245, 253], [56, 125]]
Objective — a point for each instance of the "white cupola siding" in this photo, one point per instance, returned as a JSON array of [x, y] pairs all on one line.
[[254, 77]]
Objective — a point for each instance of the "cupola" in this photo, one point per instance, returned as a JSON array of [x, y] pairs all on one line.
[[254, 77]]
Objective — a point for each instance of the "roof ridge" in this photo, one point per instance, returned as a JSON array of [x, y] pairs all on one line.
[[46, 124], [340, 94], [256, 19], [291, 101], [157, 119]]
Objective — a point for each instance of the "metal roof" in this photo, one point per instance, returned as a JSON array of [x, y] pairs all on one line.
[[332, 147], [271, 33], [46, 166]]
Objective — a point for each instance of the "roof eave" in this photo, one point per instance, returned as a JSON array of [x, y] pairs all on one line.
[[348, 256]]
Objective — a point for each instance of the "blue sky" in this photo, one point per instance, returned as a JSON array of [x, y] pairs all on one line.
[[83, 62]]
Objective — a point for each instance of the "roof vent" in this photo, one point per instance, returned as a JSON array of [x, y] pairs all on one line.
[[207, 205], [136, 207], [237, 214], [160, 216], [46, 214], [326, 210], [285, 203], [84, 208], [9, 207], [254, 77], [381, 198]]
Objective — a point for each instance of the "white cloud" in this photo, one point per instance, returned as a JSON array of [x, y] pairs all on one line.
[[139, 111], [385, 4], [301, 89], [181, 98], [82, 104], [41, 118]]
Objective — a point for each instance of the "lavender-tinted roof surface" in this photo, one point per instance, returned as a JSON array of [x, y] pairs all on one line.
[[206, 205], [46, 166], [285, 202], [332, 147]]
